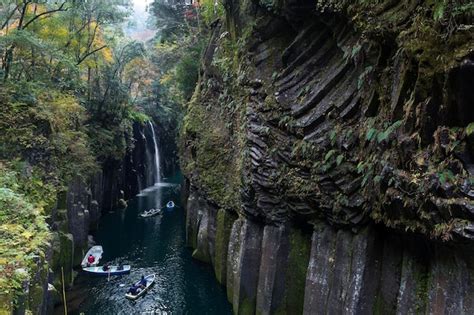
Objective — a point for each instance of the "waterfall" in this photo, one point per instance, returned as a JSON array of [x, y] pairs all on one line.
[[149, 173], [156, 178]]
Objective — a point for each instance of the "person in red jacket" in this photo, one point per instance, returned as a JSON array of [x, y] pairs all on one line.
[[90, 259]]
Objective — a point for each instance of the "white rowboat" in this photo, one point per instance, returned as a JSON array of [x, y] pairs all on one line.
[[112, 271], [151, 213], [150, 279], [95, 251]]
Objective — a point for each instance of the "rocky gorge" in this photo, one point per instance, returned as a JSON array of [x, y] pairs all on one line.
[[76, 214], [328, 155]]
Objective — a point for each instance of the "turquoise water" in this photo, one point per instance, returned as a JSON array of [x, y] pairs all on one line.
[[151, 245]]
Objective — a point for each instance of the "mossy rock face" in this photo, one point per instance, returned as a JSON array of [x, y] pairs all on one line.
[[192, 220], [246, 307], [271, 288], [62, 200], [63, 226], [37, 292], [202, 252], [62, 214], [298, 259], [63, 255], [51, 209], [20, 304], [36, 297], [414, 280], [199, 255], [247, 271], [374, 130], [313, 141], [232, 258], [78, 254], [207, 153], [224, 226]]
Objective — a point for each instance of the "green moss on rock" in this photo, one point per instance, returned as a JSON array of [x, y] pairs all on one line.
[[211, 137], [63, 252], [36, 296], [298, 259], [62, 199], [245, 307], [199, 255], [231, 257], [422, 284], [224, 225]]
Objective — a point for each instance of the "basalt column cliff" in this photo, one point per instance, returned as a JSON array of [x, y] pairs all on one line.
[[329, 151]]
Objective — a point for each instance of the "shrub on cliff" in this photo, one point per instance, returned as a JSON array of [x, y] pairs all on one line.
[[44, 126], [24, 235]]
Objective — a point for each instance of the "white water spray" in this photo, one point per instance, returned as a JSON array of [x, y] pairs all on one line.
[[157, 178]]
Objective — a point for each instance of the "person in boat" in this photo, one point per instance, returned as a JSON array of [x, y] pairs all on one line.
[[142, 283], [133, 290], [90, 259], [106, 267]]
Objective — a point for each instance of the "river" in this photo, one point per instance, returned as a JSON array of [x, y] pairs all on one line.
[[150, 245]]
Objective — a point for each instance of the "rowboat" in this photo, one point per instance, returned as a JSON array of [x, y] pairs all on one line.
[[111, 271], [151, 213], [95, 251], [150, 279]]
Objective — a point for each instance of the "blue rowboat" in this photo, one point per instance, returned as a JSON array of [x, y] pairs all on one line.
[[111, 271]]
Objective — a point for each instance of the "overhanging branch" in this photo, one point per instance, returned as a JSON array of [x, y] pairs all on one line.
[[5, 24], [89, 53], [61, 8]]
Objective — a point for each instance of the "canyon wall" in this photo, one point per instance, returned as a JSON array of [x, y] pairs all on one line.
[[328, 148], [287, 269], [76, 214]]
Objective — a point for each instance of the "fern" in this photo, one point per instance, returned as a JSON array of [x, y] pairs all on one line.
[[438, 11]]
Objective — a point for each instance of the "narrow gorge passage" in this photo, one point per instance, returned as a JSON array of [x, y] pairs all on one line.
[[153, 245], [150, 245]]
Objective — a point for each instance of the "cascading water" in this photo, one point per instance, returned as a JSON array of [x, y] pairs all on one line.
[[157, 177], [149, 173]]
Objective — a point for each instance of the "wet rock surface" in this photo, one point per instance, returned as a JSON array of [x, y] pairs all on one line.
[[372, 271], [348, 124]]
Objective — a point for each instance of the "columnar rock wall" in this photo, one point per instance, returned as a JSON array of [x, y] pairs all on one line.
[[282, 269], [337, 137]]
